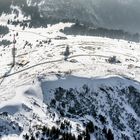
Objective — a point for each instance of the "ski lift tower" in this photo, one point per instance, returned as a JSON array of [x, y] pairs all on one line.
[[14, 51]]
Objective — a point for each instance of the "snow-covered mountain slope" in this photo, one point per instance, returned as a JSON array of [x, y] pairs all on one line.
[[110, 103], [118, 14], [110, 14], [89, 94]]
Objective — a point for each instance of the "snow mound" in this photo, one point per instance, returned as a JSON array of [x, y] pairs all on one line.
[[22, 96]]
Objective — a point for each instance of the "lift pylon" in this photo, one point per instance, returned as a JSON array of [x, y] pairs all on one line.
[[14, 51]]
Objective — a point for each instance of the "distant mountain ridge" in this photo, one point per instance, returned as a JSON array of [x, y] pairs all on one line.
[[78, 29], [107, 14], [42, 13], [110, 14]]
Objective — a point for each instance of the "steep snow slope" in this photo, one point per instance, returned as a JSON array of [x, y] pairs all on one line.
[[109, 102], [43, 89]]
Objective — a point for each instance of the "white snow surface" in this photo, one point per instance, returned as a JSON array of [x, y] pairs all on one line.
[[26, 85]]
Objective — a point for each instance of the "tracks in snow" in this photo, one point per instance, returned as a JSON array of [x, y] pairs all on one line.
[[53, 61]]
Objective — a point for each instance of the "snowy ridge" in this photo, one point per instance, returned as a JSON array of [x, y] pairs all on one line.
[[92, 98], [89, 94]]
